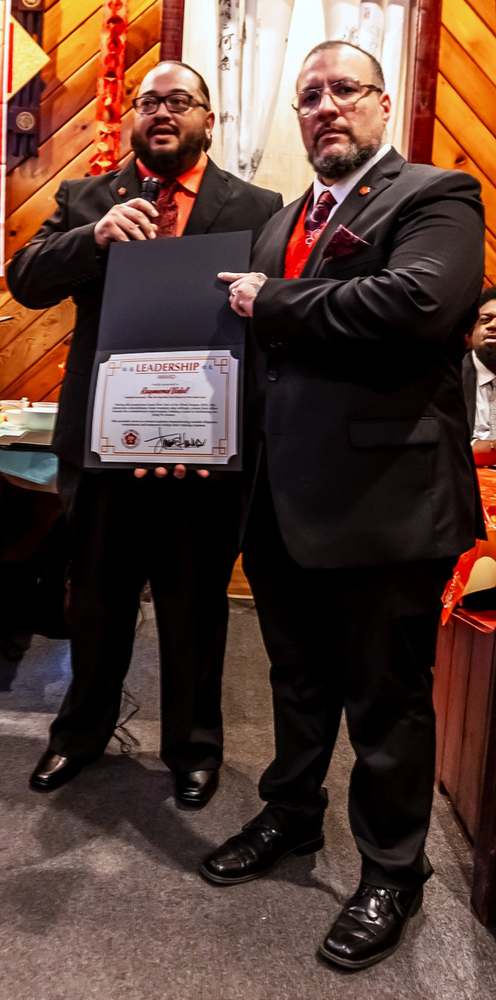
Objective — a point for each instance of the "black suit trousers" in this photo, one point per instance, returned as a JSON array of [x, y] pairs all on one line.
[[362, 639], [182, 536]]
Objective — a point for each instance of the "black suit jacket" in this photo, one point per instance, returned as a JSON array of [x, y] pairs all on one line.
[[61, 261], [469, 377], [356, 373]]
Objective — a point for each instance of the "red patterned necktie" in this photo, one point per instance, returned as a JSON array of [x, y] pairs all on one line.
[[167, 208], [317, 218]]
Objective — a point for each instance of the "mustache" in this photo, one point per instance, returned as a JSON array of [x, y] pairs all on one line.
[[161, 125], [325, 129]]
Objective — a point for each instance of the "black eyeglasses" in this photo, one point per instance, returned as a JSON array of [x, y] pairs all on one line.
[[343, 93], [176, 104]]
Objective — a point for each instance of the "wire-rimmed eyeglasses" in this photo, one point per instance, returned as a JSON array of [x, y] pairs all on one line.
[[343, 93]]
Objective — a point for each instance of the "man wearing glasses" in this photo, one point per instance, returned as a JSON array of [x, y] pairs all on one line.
[[127, 530], [363, 487]]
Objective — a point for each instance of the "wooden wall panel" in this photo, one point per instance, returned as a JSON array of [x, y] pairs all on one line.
[[471, 82], [62, 19], [59, 107], [486, 9], [465, 127], [449, 154], [34, 344], [40, 337]]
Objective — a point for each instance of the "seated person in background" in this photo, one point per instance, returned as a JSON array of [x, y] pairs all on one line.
[[479, 381]]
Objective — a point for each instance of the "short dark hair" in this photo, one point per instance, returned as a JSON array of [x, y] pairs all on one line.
[[201, 82], [377, 73], [487, 295]]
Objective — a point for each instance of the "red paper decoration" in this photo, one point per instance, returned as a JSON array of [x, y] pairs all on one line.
[[456, 586], [109, 88]]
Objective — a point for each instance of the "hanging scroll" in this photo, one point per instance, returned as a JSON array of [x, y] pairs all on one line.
[[230, 62], [109, 88], [267, 24], [371, 26], [381, 28], [342, 18], [6, 84], [253, 38], [394, 63]]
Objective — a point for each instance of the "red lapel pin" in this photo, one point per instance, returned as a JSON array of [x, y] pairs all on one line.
[[364, 190], [121, 191]]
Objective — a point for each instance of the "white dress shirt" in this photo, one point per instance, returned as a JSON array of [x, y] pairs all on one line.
[[482, 429], [340, 189]]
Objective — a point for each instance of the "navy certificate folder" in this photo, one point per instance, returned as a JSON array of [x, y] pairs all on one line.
[[163, 295]]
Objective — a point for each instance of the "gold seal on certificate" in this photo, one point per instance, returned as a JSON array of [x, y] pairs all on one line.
[[176, 406]]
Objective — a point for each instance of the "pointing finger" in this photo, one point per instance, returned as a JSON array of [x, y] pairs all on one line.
[[230, 275]]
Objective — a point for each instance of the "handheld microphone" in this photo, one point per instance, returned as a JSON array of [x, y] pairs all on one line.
[[150, 189]]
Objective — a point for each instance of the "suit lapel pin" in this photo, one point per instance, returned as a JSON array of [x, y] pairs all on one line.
[[121, 191], [364, 190]]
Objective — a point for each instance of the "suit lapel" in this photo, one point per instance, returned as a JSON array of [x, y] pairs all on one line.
[[126, 184], [215, 190], [378, 179], [273, 245]]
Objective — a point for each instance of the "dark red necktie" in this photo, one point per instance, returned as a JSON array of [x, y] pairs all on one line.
[[316, 220], [167, 208]]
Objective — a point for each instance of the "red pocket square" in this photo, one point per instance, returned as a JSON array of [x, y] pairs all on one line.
[[343, 242]]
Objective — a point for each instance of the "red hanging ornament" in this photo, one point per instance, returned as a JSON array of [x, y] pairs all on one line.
[[109, 87]]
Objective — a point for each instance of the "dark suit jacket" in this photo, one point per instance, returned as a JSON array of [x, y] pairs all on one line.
[[61, 261], [469, 377], [356, 379]]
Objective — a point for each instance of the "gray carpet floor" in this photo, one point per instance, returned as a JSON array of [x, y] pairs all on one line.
[[99, 896]]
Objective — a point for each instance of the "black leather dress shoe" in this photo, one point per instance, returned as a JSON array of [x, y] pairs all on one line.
[[53, 771], [195, 788], [256, 851], [371, 926]]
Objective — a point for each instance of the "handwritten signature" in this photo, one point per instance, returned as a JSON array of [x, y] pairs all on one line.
[[163, 443]]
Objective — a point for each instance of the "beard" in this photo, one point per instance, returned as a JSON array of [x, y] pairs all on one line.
[[169, 163], [333, 166], [487, 356]]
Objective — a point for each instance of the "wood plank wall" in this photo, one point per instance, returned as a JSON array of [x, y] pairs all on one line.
[[34, 344], [465, 126]]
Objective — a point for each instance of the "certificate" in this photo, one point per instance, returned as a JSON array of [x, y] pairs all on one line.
[[163, 305], [170, 406]]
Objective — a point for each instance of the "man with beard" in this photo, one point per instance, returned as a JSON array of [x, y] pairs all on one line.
[[362, 490], [181, 535], [479, 381]]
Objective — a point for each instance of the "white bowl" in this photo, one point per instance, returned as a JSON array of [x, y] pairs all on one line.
[[15, 417], [40, 417], [11, 404]]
